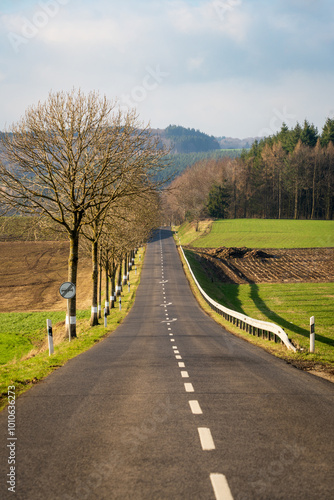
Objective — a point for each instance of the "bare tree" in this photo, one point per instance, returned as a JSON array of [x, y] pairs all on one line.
[[69, 158], [187, 195]]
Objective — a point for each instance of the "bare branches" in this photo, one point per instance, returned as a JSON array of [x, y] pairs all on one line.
[[71, 158]]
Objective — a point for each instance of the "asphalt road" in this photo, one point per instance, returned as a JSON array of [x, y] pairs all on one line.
[[171, 406]]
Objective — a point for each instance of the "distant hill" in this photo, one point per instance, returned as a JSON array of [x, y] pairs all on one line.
[[180, 162], [183, 140], [189, 146], [186, 140], [231, 143]]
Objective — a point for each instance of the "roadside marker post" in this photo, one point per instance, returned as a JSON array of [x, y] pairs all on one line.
[[120, 304], [312, 334], [50, 337], [105, 317]]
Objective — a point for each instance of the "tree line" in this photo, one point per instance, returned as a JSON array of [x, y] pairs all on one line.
[[287, 175], [81, 165], [186, 140]]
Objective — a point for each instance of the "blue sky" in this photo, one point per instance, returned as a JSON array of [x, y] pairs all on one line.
[[227, 67]]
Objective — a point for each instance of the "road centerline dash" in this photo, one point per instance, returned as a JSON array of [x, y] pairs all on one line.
[[206, 439], [220, 487]]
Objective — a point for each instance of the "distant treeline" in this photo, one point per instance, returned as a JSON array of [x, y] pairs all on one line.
[[289, 175], [186, 140], [180, 162]]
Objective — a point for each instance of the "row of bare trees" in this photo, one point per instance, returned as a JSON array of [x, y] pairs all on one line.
[[187, 196], [81, 164]]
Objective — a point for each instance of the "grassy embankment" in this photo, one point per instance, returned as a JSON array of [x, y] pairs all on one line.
[[259, 233], [289, 305], [25, 359]]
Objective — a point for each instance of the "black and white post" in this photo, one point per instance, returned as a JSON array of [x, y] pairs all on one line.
[[50, 337], [312, 334]]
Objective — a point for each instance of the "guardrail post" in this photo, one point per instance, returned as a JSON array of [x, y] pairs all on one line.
[[312, 334]]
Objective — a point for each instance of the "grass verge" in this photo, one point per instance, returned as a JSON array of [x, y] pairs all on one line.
[[31, 362], [291, 318], [259, 233]]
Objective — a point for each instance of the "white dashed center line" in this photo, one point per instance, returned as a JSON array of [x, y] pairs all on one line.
[[195, 408], [206, 439], [221, 487], [219, 482]]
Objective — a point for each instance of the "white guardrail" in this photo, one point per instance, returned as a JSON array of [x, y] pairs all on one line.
[[250, 325]]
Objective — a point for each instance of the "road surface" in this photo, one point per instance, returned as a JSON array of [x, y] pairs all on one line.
[[171, 406]]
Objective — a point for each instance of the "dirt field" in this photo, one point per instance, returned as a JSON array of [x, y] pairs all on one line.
[[31, 273], [243, 265]]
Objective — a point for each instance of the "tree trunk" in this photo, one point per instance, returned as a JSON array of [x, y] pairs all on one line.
[[296, 200], [71, 329], [125, 275], [100, 285], [279, 195], [113, 284], [314, 190], [95, 274], [119, 280], [107, 306]]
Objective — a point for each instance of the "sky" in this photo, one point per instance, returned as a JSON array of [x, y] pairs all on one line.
[[235, 68]]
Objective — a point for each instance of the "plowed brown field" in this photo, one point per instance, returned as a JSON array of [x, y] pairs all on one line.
[[32, 272], [301, 265]]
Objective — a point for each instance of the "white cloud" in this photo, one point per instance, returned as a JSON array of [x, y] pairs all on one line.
[[223, 17], [195, 63], [230, 62]]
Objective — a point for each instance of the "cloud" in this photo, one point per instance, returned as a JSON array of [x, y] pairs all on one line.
[[229, 62], [222, 17]]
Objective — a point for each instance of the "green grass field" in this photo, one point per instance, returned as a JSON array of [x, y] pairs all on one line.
[[22, 333], [289, 305], [261, 233]]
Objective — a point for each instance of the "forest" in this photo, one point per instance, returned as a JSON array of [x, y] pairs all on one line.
[[186, 140], [288, 175]]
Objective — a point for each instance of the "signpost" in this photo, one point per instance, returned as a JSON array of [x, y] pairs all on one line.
[[67, 290]]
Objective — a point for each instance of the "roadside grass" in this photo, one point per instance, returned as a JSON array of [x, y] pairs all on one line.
[[260, 233], [190, 232], [288, 305], [24, 362], [21, 332]]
